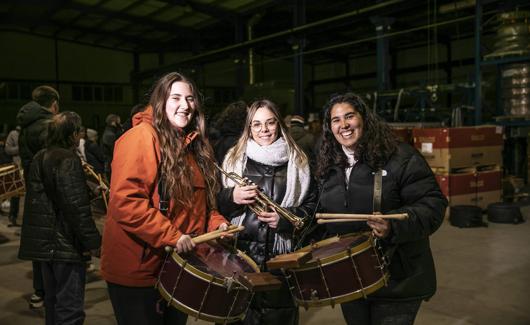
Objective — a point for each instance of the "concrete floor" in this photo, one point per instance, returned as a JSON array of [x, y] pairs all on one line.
[[483, 278]]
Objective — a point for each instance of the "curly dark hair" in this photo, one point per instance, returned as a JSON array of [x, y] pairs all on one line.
[[374, 148]]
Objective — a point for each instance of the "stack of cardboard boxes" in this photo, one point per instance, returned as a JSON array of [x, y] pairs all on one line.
[[466, 161]]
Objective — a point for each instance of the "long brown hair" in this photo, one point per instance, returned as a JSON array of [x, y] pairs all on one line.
[[375, 147], [177, 172], [241, 145]]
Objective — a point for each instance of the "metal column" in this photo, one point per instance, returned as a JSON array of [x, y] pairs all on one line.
[[298, 59], [478, 59]]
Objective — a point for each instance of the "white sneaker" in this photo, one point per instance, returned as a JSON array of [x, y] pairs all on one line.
[[36, 301]]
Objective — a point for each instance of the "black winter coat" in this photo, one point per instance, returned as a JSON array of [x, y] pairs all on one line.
[[257, 239], [58, 224], [33, 119], [409, 186]]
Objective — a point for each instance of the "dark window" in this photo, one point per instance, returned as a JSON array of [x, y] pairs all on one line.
[[25, 91], [118, 94], [87, 93], [108, 94], [77, 93], [98, 94], [12, 91]]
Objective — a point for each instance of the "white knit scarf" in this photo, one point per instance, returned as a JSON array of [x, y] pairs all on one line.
[[298, 179]]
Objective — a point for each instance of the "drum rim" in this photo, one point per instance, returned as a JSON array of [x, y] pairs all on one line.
[[208, 277], [347, 297], [195, 313], [345, 253]]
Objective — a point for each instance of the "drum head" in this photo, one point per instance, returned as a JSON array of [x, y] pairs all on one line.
[[219, 261], [331, 246]]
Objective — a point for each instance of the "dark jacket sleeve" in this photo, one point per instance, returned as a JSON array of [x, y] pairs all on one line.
[[227, 206], [304, 210], [73, 198], [422, 201]]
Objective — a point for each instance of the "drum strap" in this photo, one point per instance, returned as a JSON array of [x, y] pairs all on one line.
[[163, 203], [378, 188]]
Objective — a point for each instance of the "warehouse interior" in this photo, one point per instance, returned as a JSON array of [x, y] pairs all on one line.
[[452, 78]]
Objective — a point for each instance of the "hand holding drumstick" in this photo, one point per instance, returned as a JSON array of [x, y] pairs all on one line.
[[186, 243], [377, 222]]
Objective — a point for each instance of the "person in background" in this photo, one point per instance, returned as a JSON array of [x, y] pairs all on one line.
[[166, 150], [94, 154], [81, 147], [11, 148], [128, 123], [230, 125], [110, 134], [303, 138], [58, 230], [33, 119], [267, 155], [357, 147]]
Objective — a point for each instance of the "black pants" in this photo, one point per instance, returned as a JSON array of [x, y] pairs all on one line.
[[13, 209], [38, 286], [142, 306], [373, 312], [272, 308], [65, 292]]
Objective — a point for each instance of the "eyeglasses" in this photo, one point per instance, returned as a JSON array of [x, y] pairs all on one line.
[[258, 126]]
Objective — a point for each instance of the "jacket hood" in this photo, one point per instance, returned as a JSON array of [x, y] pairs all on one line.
[[145, 116], [31, 112]]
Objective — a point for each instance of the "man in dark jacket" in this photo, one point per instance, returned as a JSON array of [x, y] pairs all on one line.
[[110, 134], [33, 119], [58, 230], [303, 138]]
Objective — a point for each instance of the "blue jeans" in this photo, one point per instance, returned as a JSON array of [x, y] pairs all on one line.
[[64, 284]]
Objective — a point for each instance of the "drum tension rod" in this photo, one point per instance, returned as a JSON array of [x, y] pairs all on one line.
[[325, 283], [231, 307], [356, 272], [176, 283], [382, 265], [204, 299]]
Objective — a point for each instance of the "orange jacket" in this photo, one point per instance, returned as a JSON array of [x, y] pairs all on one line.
[[136, 232]]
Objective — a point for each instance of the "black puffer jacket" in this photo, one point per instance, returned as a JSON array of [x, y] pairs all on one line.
[[257, 239], [408, 186], [58, 223], [33, 119]]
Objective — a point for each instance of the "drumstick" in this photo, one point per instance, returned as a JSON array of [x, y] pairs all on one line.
[[358, 217], [216, 234], [211, 235]]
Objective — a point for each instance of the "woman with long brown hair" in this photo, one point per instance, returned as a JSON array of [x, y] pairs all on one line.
[[364, 170], [268, 156], [163, 191]]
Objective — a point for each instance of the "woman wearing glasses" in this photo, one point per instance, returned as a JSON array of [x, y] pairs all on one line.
[[268, 156]]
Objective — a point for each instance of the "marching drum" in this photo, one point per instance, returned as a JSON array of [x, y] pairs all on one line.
[[11, 181], [336, 270], [207, 283]]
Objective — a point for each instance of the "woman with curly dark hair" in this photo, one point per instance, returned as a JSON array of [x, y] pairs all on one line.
[[357, 147], [167, 145]]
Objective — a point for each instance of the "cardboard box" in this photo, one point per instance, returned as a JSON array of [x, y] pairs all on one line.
[[449, 148], [479, 188], [481, 199]]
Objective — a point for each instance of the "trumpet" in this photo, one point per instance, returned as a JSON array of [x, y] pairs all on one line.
[[102, 184], [263, 201]]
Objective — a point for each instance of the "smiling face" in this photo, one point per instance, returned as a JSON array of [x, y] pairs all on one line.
[[264, 127], [346, 124], [180, 105]]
